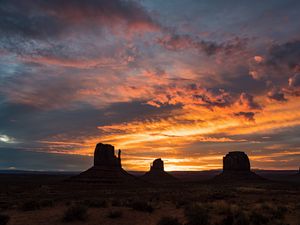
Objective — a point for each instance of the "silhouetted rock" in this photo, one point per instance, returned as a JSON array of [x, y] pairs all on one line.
[[105, 156], [157, 165], [236, 167], [157, 174], [107, 169], [236, 161]]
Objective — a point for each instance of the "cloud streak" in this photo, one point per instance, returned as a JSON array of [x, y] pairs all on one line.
[[151, 79]]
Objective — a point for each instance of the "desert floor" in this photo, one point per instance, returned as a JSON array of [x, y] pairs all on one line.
[[40, 199]]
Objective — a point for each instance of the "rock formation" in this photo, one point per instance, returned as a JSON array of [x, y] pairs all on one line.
[[236, 167], [236, 161], [104, 155], [157, 174], [107, 168], [157, 165]]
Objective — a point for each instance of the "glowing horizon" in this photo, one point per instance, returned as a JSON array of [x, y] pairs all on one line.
[[151, 80]]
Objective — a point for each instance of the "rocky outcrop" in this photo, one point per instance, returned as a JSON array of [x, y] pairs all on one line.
[[236, 167], [157, 165], [104, 155], [107, 169], [236, 161], [157, 174]]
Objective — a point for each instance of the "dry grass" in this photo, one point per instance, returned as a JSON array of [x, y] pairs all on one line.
[[189, 205]]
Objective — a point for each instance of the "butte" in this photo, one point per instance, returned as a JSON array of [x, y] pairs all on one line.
[[157, 174], [236, 167], [107, 169]]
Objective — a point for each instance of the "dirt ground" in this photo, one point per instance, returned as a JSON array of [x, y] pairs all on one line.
[[46, 200]]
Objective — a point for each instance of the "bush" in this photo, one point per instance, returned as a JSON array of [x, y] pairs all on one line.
[[46, 203], [4, 219], [241, 219], [258, 219], [142, 206], [168, 221], [30, 206], [116, 202], [181, 203], [75, 212], [280, 212], [95, 203], [222, 207], [115, 214], [237, 218], [197, 215]]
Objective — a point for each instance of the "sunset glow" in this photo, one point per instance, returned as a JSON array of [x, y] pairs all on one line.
[[187, 88]]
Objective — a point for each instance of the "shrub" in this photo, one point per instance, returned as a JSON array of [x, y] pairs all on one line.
[[46, 203], [241, 219], [197, 215], [258, 219], [280, 212], [95, 203], [30, 206], [237, 218], [168, 221], [116, 202], [115, 214], [142, 206], [181, 203], [75, 212], [4, 219], [222, 207]]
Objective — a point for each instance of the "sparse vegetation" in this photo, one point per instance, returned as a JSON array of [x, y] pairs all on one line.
[[221, 207], [258, 218], [46, 203], [94, 203], [116, 202], [235, 218], [267, 213], [182, 205], [166, 220], [142, 206], [30, 205], [4, 219], [75, 213], [280, 212], [114, 214], [197, 214]]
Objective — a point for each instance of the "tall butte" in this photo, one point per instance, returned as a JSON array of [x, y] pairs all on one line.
[[236, 167], [157, 174], [107, 168]]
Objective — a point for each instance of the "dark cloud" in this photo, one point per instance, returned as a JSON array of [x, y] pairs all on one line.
[[279, 64], [54, 28], [294, 81], [277, 95], [31, 124], [284, 54], [246, 115], [21, 20], [11, 158], [222, 99], [183, 42], [41, 19], [247, 100], [245, 82]]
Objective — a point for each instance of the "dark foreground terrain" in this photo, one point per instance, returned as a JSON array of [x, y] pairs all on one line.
[[29, 199]]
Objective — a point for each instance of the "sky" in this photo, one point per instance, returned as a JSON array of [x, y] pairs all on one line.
[[185, 81]]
